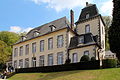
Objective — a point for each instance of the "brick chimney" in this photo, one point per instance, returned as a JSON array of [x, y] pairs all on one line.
[[72, 19]]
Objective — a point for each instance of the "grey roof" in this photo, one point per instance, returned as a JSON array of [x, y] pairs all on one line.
[[109, 53], [91, 10], [45, 29], [88, 40]]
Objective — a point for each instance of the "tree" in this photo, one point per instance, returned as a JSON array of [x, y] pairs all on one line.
[[4, 54], [108, 21], [9, 38], [114, 30]]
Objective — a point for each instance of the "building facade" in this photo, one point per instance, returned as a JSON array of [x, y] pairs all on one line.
[[55, 42]]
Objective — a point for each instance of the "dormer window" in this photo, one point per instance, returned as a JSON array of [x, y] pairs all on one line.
[[35, 34], [87, 16], [23, 38], [52, 27], [81, 39]]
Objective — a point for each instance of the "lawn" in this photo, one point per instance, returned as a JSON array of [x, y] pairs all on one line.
[[101, 74]]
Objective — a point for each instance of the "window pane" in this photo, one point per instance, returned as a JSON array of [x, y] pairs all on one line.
[[21, 51], [33, 61], [21, 63], [60, 58], [15, 64], [60, 41], [15, 52], [86, 53], [50, 43], [81, 39], [42, 46], [26, 62], [75, 57], [33, 47], [27, 49], [87, 29], [50, 59], [41, 62]]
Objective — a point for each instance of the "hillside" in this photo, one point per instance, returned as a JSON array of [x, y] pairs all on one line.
[[101, 74]]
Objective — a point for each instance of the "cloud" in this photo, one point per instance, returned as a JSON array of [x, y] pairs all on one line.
[[60, 5], [18, 29], [107, 7]]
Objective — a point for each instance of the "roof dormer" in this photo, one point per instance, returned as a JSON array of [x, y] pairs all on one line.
[[23, 38], [52, 27], [36, 33]]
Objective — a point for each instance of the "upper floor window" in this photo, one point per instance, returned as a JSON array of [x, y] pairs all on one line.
[[21, 51], [87, 16], [50, 43], [21, 63], [27, 49], [87, 28], [81, 39], [41, 62], [50, 59], [59, 41], [60, 58], [34, 47], [41, 45], [52, 27], [26, 62], [86, 53], [75, 57], [15, 52]]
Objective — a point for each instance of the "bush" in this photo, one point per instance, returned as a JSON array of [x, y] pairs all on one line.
[[109, 63], [67, 61], [93, 59], [84, 58]]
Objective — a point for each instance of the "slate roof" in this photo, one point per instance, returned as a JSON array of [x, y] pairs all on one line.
[[88, 40], [45, 29], [91, 10]]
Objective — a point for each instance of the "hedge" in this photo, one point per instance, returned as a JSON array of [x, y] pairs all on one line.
[[109, 63], [64, 67]]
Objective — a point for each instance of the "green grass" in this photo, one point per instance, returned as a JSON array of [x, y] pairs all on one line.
[[101, 74]]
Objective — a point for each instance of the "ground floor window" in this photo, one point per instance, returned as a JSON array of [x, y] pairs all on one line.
[[86, 53], [50, 59], [33, 61], [75, 57], [60, 58], [41, 60], [15, 64], [21, 63], [26, 62]]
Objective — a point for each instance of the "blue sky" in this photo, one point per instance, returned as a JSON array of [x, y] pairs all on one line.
[[23, 15]]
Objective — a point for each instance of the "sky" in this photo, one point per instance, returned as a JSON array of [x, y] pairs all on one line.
[[24, 15]]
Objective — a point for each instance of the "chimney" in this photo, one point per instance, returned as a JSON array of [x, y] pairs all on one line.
[[87, 4], [72, 19]]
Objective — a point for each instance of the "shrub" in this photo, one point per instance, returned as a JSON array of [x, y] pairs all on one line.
[[67, 61], [109, 63], [93, 59], [84, 58]]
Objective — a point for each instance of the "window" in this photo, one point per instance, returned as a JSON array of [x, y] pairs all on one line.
[[26, 62], [60, 41], [75, 58], [52, 27], [87, 28], [81, 39], [87, 16], [23, 38], [86, 53], [41, 45], [50, 43], [35, 34], [21, 63], [34, 47], [41, 63], [21, 51], [15, 64], [33, 61], [60, 58], [15, 52], [50, 59], [27, 49]]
